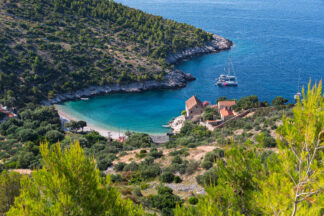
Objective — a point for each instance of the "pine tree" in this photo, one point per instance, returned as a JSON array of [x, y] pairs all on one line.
[[69, 184], [295, 185]]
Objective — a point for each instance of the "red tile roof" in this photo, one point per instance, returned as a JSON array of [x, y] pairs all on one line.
[[191, 102], [226, 103], [225, 112]]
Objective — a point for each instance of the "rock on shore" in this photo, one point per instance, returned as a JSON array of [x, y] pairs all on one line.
[[172, 80], [217, 44]]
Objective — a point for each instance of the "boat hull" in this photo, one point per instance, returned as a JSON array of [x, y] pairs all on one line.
[[227, 84]]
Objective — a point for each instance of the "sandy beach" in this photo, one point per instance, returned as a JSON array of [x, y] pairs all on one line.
[[65, 117]]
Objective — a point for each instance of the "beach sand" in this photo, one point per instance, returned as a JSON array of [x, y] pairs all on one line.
[[65, 117]]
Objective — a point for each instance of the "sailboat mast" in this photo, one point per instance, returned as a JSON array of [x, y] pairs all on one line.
[[229, 65]]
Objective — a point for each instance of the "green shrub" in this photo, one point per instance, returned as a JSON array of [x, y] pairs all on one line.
[[269, 142], [116, 178], [119, 167], [167, 177], [131, 167], [193, 200], [139, 140], [208, 178], [138, 192], [148, 171], [165, 200], [192, 167], [155, 153], [207, 164], [177, 179]]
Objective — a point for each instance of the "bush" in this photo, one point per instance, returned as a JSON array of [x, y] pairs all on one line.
[[207, 164], [27, 135], [119, 167], [149, 171], [25, 159], [155, 153], [116, 178], [177, 179], [165, 200], [167, 177], [269, 142], [104, 163], [208, 178], [131, 167], [177, 160], [193, 200], [138, 192], [279, 101], [139, 140], [54, 136], [192, 167]]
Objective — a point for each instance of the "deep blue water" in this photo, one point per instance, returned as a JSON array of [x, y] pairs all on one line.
[[275, 43]]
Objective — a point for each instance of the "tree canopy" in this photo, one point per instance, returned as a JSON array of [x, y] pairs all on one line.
[[69, 184], [48, 47]]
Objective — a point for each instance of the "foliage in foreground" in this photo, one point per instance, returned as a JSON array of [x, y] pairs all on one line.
[[9, 189], [296, 181], [69, 184], [288, 183]]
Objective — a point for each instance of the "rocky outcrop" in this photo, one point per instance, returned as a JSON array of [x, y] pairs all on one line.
[[217, 44], [172, 80]]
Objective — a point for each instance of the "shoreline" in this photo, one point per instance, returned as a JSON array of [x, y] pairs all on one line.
[[172, 80], [66, 117]]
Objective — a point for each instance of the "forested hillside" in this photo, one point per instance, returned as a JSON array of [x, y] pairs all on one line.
[[267, 163], [53, 46]]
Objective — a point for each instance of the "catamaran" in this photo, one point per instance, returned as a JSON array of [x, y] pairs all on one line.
[[226, 79]]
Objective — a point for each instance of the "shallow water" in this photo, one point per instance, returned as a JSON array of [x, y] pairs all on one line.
[[275, 43]]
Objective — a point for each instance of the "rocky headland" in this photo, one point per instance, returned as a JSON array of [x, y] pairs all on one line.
[[172, 80], [217, 44]]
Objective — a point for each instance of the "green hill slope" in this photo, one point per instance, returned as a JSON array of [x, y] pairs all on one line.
[[49, 47]]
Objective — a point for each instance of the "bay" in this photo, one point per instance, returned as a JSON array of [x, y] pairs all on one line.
[[275, 43]]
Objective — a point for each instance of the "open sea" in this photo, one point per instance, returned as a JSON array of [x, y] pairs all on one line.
[[275, 43]]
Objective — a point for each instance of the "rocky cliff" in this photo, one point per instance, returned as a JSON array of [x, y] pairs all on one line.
[[217, 44]]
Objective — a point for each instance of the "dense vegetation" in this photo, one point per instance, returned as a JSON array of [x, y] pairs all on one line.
[[71, 185], [240, 174], [254, 182], [53, 46], [20, 137]]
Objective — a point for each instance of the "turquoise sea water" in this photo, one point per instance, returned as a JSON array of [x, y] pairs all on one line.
[[275, 42]]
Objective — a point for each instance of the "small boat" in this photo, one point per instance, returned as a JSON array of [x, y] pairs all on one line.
[[297, 95], [84, 99], [225, 80], [165, 126]]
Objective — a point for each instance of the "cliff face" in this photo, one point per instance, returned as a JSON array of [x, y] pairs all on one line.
[[217, 44], [172, 80]]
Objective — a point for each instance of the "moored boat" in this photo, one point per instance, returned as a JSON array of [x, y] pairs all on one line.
[[227, 79]]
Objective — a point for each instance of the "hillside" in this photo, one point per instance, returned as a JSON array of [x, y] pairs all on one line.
[[58, 46]]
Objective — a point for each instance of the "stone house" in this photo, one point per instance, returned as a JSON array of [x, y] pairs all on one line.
[[194, 107]]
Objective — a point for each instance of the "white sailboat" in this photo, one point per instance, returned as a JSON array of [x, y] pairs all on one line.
[[225, 80]]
